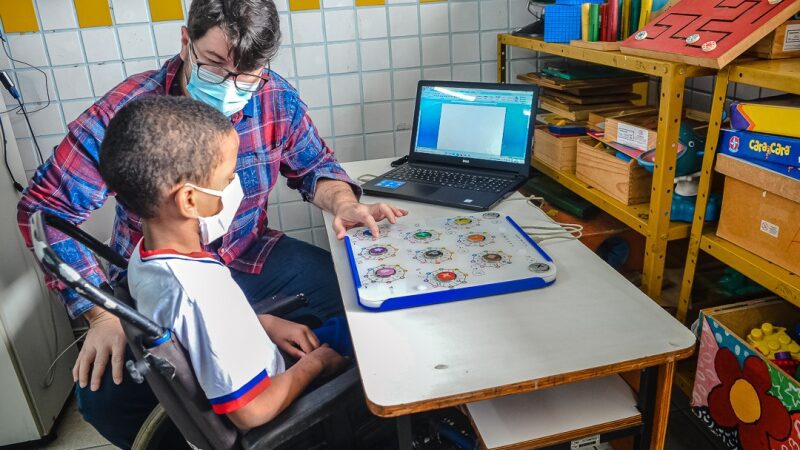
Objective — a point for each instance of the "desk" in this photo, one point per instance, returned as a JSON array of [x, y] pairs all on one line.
[[592, 322]]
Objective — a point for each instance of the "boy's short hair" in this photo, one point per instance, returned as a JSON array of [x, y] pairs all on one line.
[[252, 27], [154, 143]]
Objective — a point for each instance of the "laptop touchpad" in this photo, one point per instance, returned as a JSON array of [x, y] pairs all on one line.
[[424, 189]]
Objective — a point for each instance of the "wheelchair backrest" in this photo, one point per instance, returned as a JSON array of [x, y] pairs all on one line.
[[160, 358]]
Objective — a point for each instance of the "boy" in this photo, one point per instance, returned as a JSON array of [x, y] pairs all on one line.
[[172, 161]]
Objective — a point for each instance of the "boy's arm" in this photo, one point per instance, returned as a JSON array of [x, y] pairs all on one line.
[[286, 387]]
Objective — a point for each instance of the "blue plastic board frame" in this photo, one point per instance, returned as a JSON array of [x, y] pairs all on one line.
[[454, 294]]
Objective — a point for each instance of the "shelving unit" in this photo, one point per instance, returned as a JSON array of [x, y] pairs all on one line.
[[651, 220], [779, 75]]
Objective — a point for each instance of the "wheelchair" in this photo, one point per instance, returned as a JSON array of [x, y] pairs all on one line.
[[330, 409]]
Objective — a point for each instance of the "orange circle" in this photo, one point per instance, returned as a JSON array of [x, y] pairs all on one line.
[[476, 237], [446, 276]]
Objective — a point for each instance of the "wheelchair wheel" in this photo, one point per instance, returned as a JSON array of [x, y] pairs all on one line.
[[159, 433]]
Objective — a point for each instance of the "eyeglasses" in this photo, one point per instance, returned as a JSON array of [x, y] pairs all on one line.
[[245, 82]]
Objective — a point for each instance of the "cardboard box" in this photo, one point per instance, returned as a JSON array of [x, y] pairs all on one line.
[[745, 399], [625, 181], [784, 42], [760, 211], [557, 152], [636, 131], [779, 118]]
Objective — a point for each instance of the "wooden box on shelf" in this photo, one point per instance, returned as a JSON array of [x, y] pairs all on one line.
[[625, 181], [784, 42], [557, 152], [636, 130], [760, 211]]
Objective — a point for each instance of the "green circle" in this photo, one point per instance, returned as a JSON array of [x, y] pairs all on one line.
[[422, 235]]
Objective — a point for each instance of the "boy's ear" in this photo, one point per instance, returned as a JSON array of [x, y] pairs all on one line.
[[186, 202]]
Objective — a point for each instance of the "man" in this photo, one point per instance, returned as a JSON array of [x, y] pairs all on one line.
[[224, 60]]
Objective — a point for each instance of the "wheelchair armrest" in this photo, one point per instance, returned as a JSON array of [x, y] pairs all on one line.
[[305, 412], [280, 306]]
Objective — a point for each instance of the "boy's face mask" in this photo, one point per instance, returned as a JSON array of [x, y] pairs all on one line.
[[223, 96], [214, 227]]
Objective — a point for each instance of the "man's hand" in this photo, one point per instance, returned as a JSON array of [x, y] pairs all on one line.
[[350, 214], [294, 339], [332, 362], [105, 341]]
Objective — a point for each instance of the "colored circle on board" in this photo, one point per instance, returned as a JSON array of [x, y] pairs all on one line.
[[446, 276], [491, 215], [709, 46], [476, 238], [492, 257], [385, 272], [376, 251], [367, 233], [640, 36], [422, 235], [463, 221], [693, 38], [433, 254]]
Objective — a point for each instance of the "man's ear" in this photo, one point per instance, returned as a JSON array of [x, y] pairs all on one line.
[[185, 200], [184, 44]]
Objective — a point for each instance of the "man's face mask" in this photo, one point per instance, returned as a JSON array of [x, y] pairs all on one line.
[[214, 227], [221, 91]]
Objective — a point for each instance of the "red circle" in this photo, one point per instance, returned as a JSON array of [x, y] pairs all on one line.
[[476, 237], [446, 276]]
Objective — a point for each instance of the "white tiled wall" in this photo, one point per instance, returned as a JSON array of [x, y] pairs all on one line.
[[355, 67]]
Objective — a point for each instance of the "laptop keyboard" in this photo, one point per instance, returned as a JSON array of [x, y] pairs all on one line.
[[451, 179]]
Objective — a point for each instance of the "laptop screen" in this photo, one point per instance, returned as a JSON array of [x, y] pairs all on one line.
[[474, 123]]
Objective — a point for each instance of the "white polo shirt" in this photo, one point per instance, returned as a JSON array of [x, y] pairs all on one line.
[[195, 296]]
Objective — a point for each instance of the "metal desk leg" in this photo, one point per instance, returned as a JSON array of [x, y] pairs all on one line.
[[404, 436]]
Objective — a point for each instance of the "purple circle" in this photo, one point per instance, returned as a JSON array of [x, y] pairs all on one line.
[[375, 251], [385, 272]]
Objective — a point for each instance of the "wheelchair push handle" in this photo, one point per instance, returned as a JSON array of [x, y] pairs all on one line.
[[48, 258]]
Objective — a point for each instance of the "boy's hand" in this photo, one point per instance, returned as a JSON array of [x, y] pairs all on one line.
[[332, 362], [105, 342], [294, 339]]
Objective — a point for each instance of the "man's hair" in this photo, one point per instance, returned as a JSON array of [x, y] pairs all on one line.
[[252, 28], [154, 143]]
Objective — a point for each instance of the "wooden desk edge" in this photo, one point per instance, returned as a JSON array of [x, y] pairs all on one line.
[[527, 386]]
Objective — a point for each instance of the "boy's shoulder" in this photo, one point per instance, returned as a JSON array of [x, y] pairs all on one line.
[[198, 275]]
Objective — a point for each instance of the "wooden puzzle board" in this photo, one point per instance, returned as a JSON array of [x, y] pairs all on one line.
[[724, 28]]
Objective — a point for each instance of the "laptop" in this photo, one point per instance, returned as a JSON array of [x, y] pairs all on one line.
[[470, 145]]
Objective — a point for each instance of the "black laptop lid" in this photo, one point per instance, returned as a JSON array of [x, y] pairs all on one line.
[[476, 125]]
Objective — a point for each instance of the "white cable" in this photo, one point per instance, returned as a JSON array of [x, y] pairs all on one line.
[[48, 378], [559, 230]]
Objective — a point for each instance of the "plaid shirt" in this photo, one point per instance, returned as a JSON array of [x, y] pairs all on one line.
[[276, 137]]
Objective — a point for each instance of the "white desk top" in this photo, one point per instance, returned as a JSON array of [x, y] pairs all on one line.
[[591, 322]]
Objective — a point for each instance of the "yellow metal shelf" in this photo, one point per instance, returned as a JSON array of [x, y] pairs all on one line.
[[651, 220], [775, 278], [634, 216], [638, 64], [779, 74]]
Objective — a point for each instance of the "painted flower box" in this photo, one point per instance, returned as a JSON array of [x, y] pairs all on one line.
[[745, 399]]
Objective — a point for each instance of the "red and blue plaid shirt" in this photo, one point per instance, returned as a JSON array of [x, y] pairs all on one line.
[[276, 137]]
